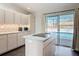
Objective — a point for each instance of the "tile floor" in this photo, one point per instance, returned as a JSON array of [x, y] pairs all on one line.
[[60, 51]]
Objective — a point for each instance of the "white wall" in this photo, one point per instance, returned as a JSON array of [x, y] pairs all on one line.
[[38, 24]]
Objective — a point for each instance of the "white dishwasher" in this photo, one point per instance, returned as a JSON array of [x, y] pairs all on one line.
[[39, 45]]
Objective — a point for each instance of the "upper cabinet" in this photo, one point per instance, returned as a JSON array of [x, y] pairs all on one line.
[[9, 17], [17, 18], [1, 16], [24, 19], [21, 19], [13, 17]]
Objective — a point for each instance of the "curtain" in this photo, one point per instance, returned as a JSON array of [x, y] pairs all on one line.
[[76, 31]]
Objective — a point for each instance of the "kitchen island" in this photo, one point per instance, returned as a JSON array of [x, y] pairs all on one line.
[[41, 44]]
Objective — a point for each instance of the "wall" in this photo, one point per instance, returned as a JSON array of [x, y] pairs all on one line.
[[32, 23], [38, 24]]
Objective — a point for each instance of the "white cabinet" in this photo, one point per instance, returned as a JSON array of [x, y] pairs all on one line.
[[1, 16], [24, 19], [49, 50], [49, 47], [9, 17], [21, 19], [3, 43], [12, 41], [21, 41], [17, 18]]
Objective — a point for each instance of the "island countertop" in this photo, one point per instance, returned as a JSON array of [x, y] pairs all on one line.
[[40, 36]]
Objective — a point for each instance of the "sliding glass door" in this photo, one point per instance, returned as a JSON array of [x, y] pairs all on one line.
[[61, 27], [52, 26], [66, 29]]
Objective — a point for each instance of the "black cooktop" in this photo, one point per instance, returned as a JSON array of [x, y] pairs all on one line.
[[44, 35]]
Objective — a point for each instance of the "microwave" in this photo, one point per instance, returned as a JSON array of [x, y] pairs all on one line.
[[23, 29]]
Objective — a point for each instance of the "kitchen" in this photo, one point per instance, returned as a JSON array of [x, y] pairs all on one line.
[[23, 29]]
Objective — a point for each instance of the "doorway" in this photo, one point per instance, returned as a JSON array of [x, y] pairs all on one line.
[[61, 27]]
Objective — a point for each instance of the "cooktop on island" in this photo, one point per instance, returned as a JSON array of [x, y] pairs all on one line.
[[44, 35]]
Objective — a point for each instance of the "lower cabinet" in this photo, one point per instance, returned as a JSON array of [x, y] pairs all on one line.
[[3, 43], [12, 41], [49, 48], [21, 41]]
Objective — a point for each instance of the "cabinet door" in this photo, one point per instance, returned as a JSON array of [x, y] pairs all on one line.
[[12, 41], [1, 16], [9, 17], [17, 18], [24, 19], [21, 41], [49, 48], [3, 43]]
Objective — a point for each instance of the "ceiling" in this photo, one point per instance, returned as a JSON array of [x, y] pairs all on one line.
[[46, 7]]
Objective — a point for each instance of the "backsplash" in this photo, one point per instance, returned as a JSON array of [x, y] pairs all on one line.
[[10, 27]]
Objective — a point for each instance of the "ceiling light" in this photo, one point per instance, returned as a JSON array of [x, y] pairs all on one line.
[[28, 8]]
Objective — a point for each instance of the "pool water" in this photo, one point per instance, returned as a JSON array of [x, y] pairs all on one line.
[[65, 38], [63, 35]]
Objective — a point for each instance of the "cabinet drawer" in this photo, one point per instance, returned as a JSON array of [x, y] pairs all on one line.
[[12, 35], [46, 43], [49, 49], [21, 41]]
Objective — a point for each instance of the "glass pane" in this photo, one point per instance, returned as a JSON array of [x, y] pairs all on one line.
[[61, 28], [66, 29], [52, 26]]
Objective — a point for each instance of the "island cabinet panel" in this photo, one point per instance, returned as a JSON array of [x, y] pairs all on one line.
[[12, 41], [39, 46], [9, 17], [3, 43], [49, 48], [1, 16]]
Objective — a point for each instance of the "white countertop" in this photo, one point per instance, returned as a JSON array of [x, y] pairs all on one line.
[[11, 32], [31, 37]]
